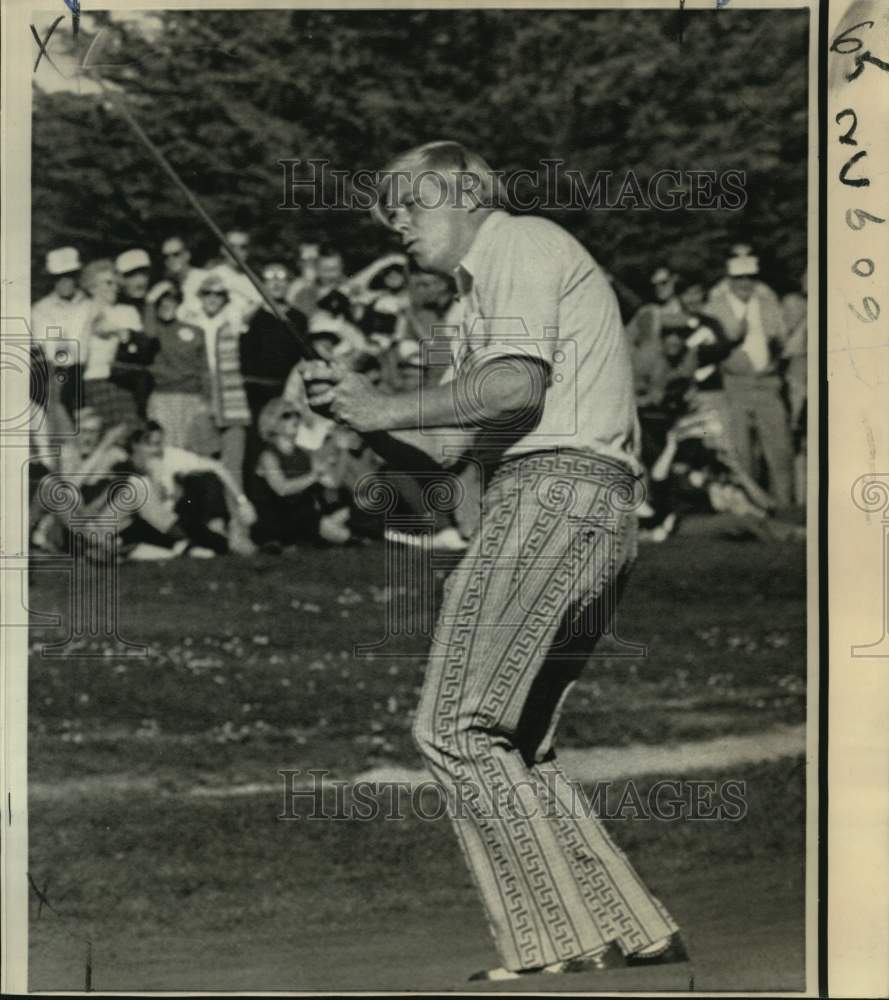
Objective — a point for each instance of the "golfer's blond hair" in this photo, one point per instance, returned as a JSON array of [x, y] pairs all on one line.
[[468, 177]]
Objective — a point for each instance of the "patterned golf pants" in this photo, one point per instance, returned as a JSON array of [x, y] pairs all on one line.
[[520, 615]]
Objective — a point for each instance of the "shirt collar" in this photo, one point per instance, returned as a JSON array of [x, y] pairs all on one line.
[[469, 265]]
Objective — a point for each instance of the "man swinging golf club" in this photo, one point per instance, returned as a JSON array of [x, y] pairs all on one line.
[[543, 379]]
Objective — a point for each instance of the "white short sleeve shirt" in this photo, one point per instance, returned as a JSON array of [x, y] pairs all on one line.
[[531, 290]]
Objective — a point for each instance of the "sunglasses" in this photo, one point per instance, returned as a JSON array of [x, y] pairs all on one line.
[[290, 415]]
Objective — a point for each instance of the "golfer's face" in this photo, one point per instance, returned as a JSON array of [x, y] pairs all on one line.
[[428, 221]]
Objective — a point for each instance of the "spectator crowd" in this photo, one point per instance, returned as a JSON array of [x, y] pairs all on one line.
[[148, 366]]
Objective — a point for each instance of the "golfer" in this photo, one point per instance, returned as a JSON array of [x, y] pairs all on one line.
[[543, 379]]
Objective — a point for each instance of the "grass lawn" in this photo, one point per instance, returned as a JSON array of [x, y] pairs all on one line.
[[251, 669], [250, 664]]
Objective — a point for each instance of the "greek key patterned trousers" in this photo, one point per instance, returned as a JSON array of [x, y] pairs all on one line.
[[521, 613]]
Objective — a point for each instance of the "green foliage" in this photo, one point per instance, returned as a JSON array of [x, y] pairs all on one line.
[[226, 95]]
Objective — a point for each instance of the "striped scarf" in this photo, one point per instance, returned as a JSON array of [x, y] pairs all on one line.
[[229, 398]]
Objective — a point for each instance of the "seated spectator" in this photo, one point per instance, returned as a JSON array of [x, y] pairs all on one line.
[[88, 460], [179, 402], [194, 503], [697, 471], [690, 351], [291, 503]]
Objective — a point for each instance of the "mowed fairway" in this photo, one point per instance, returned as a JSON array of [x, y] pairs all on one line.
[[156, 800]]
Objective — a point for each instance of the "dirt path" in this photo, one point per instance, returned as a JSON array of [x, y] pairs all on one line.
[[585, 765]]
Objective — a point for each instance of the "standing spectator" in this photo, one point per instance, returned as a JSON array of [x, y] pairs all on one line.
[[242, 294], [269, 348], [178, 268], [763, 291], [644, 329], [136, 349], [328, 276], [222, 323], [135, 352], [753, 322], [109, 388], [99, 281], [179, 402], [62, 315], [134, 268]]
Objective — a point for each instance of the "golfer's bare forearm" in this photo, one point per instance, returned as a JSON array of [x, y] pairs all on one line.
[[458, 404]]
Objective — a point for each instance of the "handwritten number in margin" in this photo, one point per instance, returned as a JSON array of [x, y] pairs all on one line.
[[846, 139], [860, 218], [856, 182]]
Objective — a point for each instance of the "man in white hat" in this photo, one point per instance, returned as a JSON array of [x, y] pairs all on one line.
[[134, 268], [60, 330], [62, 312], [762, 289], [753, 321]]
